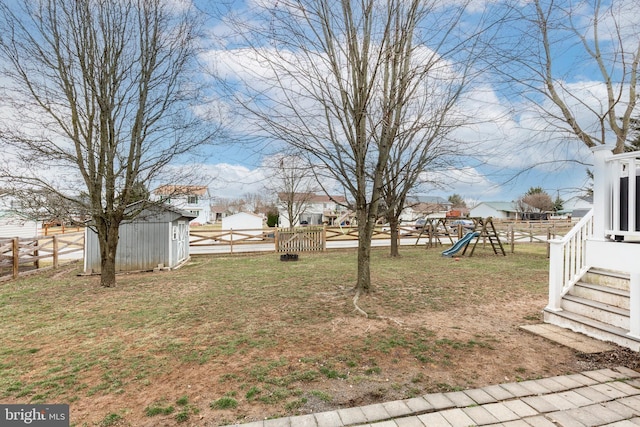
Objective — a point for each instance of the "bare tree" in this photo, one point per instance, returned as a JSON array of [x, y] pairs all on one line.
[[294, 182], [541, 202], [341, 81], [100, 94], [602, 41]]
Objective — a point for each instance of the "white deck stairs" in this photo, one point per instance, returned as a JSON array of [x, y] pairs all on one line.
[[597, 306]]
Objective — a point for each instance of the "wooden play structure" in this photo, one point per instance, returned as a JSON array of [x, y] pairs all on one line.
[[487, 232], [436, 229]]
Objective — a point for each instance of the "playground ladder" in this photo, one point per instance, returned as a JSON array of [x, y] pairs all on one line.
[[489, 232]]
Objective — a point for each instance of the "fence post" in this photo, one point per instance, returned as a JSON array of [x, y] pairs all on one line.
[[55, 251], [276, 240], [231, 240], [36, 263], [324, 238], [16, 257], [511, 237]]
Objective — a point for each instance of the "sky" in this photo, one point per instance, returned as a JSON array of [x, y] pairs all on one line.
[[515, 148], [511, 145]]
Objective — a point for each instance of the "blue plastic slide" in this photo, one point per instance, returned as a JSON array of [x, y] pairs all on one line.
[[460, 244]]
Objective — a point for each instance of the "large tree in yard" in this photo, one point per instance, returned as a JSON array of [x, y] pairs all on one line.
[[346, 83], [97, 101]]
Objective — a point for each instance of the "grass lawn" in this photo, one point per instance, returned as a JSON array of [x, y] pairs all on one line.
[[230, 338]]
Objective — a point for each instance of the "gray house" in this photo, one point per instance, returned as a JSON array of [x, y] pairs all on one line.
[[157, 237]]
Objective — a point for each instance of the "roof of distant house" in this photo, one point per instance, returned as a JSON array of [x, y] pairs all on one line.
[[313, 198], [429, 199], [183, 190], [503, 206]]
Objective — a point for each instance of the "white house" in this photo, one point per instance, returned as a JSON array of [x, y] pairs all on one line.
[[594, 273], [315, 209], [577, 206], [13, 223], [194, 199], [498, 210]]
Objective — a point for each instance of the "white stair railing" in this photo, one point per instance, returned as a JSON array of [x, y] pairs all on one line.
[[567, 260]]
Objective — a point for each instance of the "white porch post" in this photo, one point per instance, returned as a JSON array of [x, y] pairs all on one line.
[[601, 191], [556, 265], [634, 304]]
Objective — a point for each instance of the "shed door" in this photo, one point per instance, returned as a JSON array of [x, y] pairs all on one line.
[[183, 240]]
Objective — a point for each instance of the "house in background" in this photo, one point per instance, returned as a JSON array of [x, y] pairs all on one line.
[[157, 237], [218, 212], [315, 209], [14, 223], [496, 210], [425, 206], [194, 199], [578, 206]]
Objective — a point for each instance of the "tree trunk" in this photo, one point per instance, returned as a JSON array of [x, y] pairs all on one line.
[[363, 284], [395, 247], [108, 248]]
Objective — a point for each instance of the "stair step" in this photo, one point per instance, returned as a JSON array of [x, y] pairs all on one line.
[[592, 328], [602, 312], [602, 294], [608, 278]]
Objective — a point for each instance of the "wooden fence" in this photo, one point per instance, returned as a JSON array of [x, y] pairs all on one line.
[[301, 239], [22, 255], [230, 238]]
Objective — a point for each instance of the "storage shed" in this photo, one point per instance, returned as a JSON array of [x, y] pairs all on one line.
[[157, 238]]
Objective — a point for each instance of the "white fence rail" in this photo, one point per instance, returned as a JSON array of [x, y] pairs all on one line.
[[567, 260]]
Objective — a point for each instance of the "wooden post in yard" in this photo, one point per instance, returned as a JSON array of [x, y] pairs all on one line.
[[36, 263], [548, 244], [55, 251], [16, 257], [324, 238], [511, 237], [275, 238]]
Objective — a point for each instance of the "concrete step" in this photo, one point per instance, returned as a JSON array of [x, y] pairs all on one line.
[[602, 294], [609, 278], [598, 311], [592, 328]]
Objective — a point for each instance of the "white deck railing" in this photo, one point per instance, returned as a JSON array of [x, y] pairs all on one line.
[[567, 260], [621, 175]]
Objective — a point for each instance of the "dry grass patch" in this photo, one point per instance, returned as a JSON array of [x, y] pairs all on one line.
[[246, 337]]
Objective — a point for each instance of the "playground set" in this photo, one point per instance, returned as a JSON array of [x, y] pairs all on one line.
[[483, 229]]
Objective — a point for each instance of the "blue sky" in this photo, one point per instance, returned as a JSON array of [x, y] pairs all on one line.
[[515, 148], [518, 149]]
